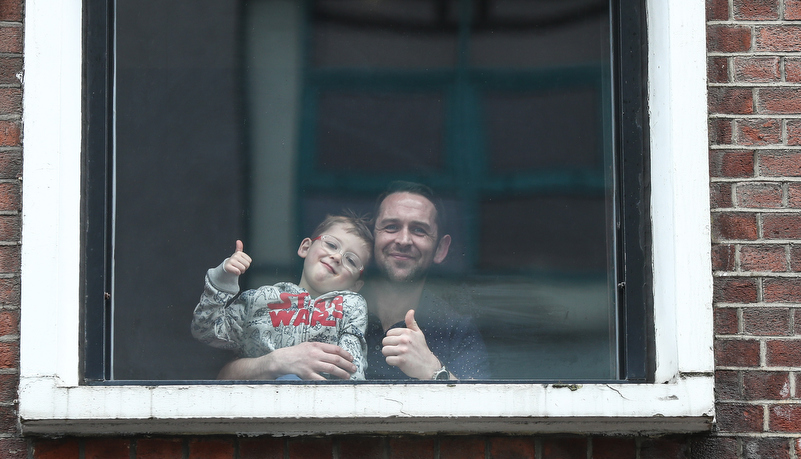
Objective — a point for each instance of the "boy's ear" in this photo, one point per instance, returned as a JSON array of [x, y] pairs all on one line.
[[303, 250], [357, 286]]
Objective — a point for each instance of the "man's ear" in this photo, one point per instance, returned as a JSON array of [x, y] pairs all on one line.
[[442, 249], [303, 250], [357, 286]]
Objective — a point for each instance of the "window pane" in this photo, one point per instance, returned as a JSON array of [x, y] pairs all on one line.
[[253, 120]]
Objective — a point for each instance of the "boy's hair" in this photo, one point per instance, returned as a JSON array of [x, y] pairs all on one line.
[[400, 186], [353, 223]]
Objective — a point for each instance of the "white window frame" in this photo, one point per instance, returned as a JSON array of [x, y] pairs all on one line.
[[51, 400]]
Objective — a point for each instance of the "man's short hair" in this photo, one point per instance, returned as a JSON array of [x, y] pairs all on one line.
[[400, 186], [352, 222]]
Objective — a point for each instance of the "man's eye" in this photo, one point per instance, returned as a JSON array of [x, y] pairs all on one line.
[[391, 228], [420, 231]]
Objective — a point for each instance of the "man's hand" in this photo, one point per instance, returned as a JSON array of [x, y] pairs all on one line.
[[239, 262], [406, 348], [307, 360]]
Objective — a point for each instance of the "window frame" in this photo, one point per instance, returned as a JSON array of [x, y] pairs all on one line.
[[52, 399]]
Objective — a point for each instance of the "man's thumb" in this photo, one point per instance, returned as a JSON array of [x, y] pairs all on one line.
[[239, 246], [411, 324]]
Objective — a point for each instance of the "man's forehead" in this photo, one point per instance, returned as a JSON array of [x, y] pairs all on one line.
[[403, 205]]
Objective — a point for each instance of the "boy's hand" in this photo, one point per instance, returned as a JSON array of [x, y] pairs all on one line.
[[239, 262]]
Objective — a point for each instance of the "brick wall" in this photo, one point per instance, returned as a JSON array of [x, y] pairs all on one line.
[[754, 70]]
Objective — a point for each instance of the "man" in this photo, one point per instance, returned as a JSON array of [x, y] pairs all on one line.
[[442, 345]]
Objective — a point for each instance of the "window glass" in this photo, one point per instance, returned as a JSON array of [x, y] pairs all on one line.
[[253, 120]]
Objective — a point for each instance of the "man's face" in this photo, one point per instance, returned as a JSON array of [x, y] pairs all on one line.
[[406, 237]]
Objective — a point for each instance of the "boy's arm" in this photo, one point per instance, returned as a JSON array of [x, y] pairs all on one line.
[[307, 360], [215, 321], [352, 328]]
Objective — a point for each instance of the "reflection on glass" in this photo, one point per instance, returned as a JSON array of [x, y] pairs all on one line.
[[501, 106]]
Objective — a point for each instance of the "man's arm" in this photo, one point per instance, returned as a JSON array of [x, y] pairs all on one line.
[[307, 360]]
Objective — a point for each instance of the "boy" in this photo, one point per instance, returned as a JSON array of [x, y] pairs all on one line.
[[323, 307]]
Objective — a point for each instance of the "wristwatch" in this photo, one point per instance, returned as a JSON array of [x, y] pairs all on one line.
[[442, 374]]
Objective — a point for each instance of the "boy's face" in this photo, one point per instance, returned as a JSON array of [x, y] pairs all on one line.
[[324, 270]]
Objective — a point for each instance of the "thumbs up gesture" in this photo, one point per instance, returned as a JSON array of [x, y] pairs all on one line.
[[239, 262], [406, 348]]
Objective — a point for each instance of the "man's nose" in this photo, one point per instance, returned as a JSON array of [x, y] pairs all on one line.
[[404, 237]]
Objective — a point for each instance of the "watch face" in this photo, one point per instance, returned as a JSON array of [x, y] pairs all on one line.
[[442, 375]]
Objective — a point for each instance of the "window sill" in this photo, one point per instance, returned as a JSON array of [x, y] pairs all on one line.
[[682, 406]]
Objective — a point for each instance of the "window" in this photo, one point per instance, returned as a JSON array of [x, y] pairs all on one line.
[[50, 389]]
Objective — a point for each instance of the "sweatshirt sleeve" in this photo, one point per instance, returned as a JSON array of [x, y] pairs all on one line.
[[351, 335], [220, 315]]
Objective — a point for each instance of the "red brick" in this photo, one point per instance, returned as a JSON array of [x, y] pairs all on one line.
[[793, 132], [158, 448], [736, 352], [777, 38], [727, 385], [564, 448], [9, 258], [717, 10], [9, 322], [8, 387], [794, 195], [766, 385], [10, 165], [709, 447], [9, 291], [723, 257], [9, 134], [792, 9], [720, 195], [734, 101], [792, 69], [11, 40], [9, 354], [797, 447], [774, 448], [727, 163], [760, 195], [763, 258], [783, 353], [738, 417], [664, 448], [720, 131], [758, 132], [55, 449], [717, 69], [411, 448], [797, 326], [781, 226], [10, 67], [753, 10], [726, 322], [784, 418], [13, 448], [779, 101], [728, 39], [10, 228], [735, 290], [795, 258], [10, 101], [458, 448], [779, 164], [739, 226], [9, 421], [511, 447], [781, 290], [358, 447], [614, 448], [107, 448], [265, 448], [211, 448], [11, 10], [10, 196], [310, 447]]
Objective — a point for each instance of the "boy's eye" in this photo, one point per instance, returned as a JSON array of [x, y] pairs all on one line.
[[351, 261], [330, 245]]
